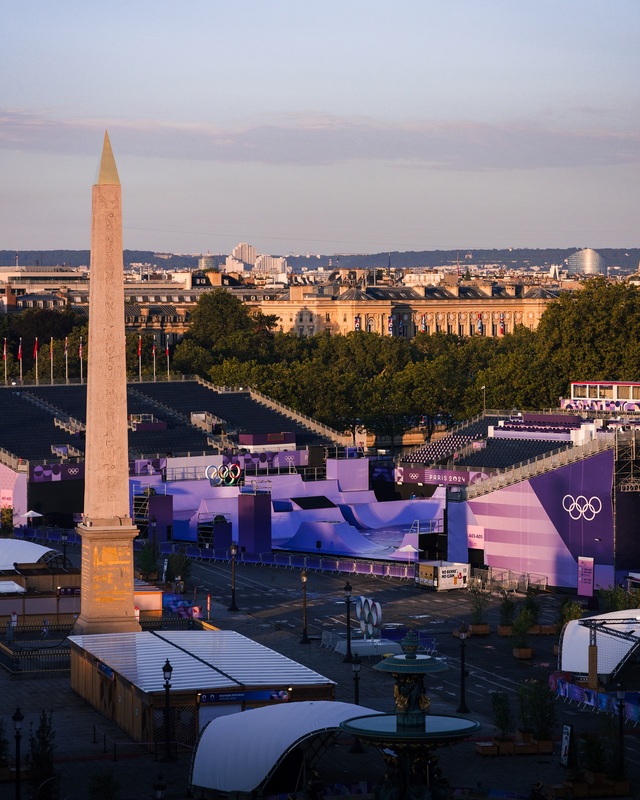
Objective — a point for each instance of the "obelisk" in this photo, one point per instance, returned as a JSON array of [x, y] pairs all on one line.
[[107, 532]]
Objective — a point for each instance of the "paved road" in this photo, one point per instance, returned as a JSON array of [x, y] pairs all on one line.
[[270, 603]]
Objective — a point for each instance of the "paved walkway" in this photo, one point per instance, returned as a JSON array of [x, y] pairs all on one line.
[[86, 742]]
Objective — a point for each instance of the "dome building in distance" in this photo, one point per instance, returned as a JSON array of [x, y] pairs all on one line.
[[586, 262]]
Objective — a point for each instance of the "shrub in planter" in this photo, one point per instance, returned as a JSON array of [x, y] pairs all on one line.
[[537, 709], [480, 599], [569, 610], [147, 561], [502, 716], [532, 605], [520, 628], [507, 610]]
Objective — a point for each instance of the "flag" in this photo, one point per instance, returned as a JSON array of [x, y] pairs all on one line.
[[51, 349], [20, 350], [166, 351], [4, 352], [66, 345], [80, 349], [139, 346], [482, 388], [35, 348], [154, 346]]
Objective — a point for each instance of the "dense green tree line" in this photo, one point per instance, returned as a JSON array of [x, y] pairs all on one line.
[[387, 384]]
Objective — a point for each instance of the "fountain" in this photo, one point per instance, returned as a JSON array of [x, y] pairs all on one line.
[[408, 737]]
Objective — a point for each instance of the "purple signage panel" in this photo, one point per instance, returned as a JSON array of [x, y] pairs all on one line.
[[586, 570], [440, 477], [46, 473]]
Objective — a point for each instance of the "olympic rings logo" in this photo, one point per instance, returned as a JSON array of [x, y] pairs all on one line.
[[582, 508], [222, 475], [369, 613]]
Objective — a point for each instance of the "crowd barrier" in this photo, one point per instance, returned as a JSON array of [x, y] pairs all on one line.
[[595, 700]]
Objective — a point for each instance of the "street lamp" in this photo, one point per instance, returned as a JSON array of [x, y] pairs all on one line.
[[159, 787], [64, 538], [355, 666], [463, 631], [153, 525], [305, 638], [620, 694], [234, 552], [347, 599], [17, 727], [167, 671]]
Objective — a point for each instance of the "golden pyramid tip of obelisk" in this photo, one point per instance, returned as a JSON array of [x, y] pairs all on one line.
[[108, 174]]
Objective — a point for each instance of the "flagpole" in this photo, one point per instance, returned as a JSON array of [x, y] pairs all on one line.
[[66, 359], [139, 359], [51, 358], [154, 358], [80, 354], [35, 353], [20, 358], [167, 352], [4, 356]]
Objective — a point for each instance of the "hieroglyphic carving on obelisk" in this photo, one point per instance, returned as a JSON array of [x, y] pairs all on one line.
[[107, 599]]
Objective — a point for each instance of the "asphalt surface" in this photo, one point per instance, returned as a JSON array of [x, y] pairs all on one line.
[[271, 613]]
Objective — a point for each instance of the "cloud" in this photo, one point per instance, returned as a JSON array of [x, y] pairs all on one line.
[[310, 140]]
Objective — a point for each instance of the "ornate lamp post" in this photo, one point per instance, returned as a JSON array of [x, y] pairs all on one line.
[[64, 538], [17, 727], [303, 578], [355, 666], [620, 695], [167, 671], [233, 549], [347, 599], [463, 631]]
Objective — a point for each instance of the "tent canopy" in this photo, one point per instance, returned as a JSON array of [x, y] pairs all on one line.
[[221, 759], [612, 650]]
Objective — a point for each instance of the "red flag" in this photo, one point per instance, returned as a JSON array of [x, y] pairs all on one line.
[[139, 346], [80, 349], [4, 352], [35, 348], [20, 350], [167, 350], [154, 347]]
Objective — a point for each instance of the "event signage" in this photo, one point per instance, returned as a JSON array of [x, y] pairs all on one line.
[[441, 477], [103, 669], [585, 576], [207, 698], [68, 591]]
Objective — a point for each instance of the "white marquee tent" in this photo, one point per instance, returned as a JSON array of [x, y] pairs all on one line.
[[238, 752], [612, 648]]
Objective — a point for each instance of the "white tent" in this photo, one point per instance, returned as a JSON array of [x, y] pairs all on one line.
[[11, 587], [238, 752], [612, 649], [18, 551]]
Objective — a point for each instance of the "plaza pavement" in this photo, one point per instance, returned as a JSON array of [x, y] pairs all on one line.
[[85, 740]]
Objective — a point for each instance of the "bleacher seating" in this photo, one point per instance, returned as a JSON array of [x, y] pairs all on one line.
[[32, 430], [505, 453]]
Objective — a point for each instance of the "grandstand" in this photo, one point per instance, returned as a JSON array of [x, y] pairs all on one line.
[[497, 442], [39, 417]]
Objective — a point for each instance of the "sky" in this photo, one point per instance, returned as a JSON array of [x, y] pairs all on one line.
[[357, 126]]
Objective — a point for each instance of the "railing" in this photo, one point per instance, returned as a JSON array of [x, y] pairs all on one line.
[[506, 580], [316, 563], [545, 463]]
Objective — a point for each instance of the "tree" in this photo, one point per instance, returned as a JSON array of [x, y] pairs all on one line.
[[43, 778]]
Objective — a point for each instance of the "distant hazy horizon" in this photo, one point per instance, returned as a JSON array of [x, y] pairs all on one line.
[[358, 127]]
